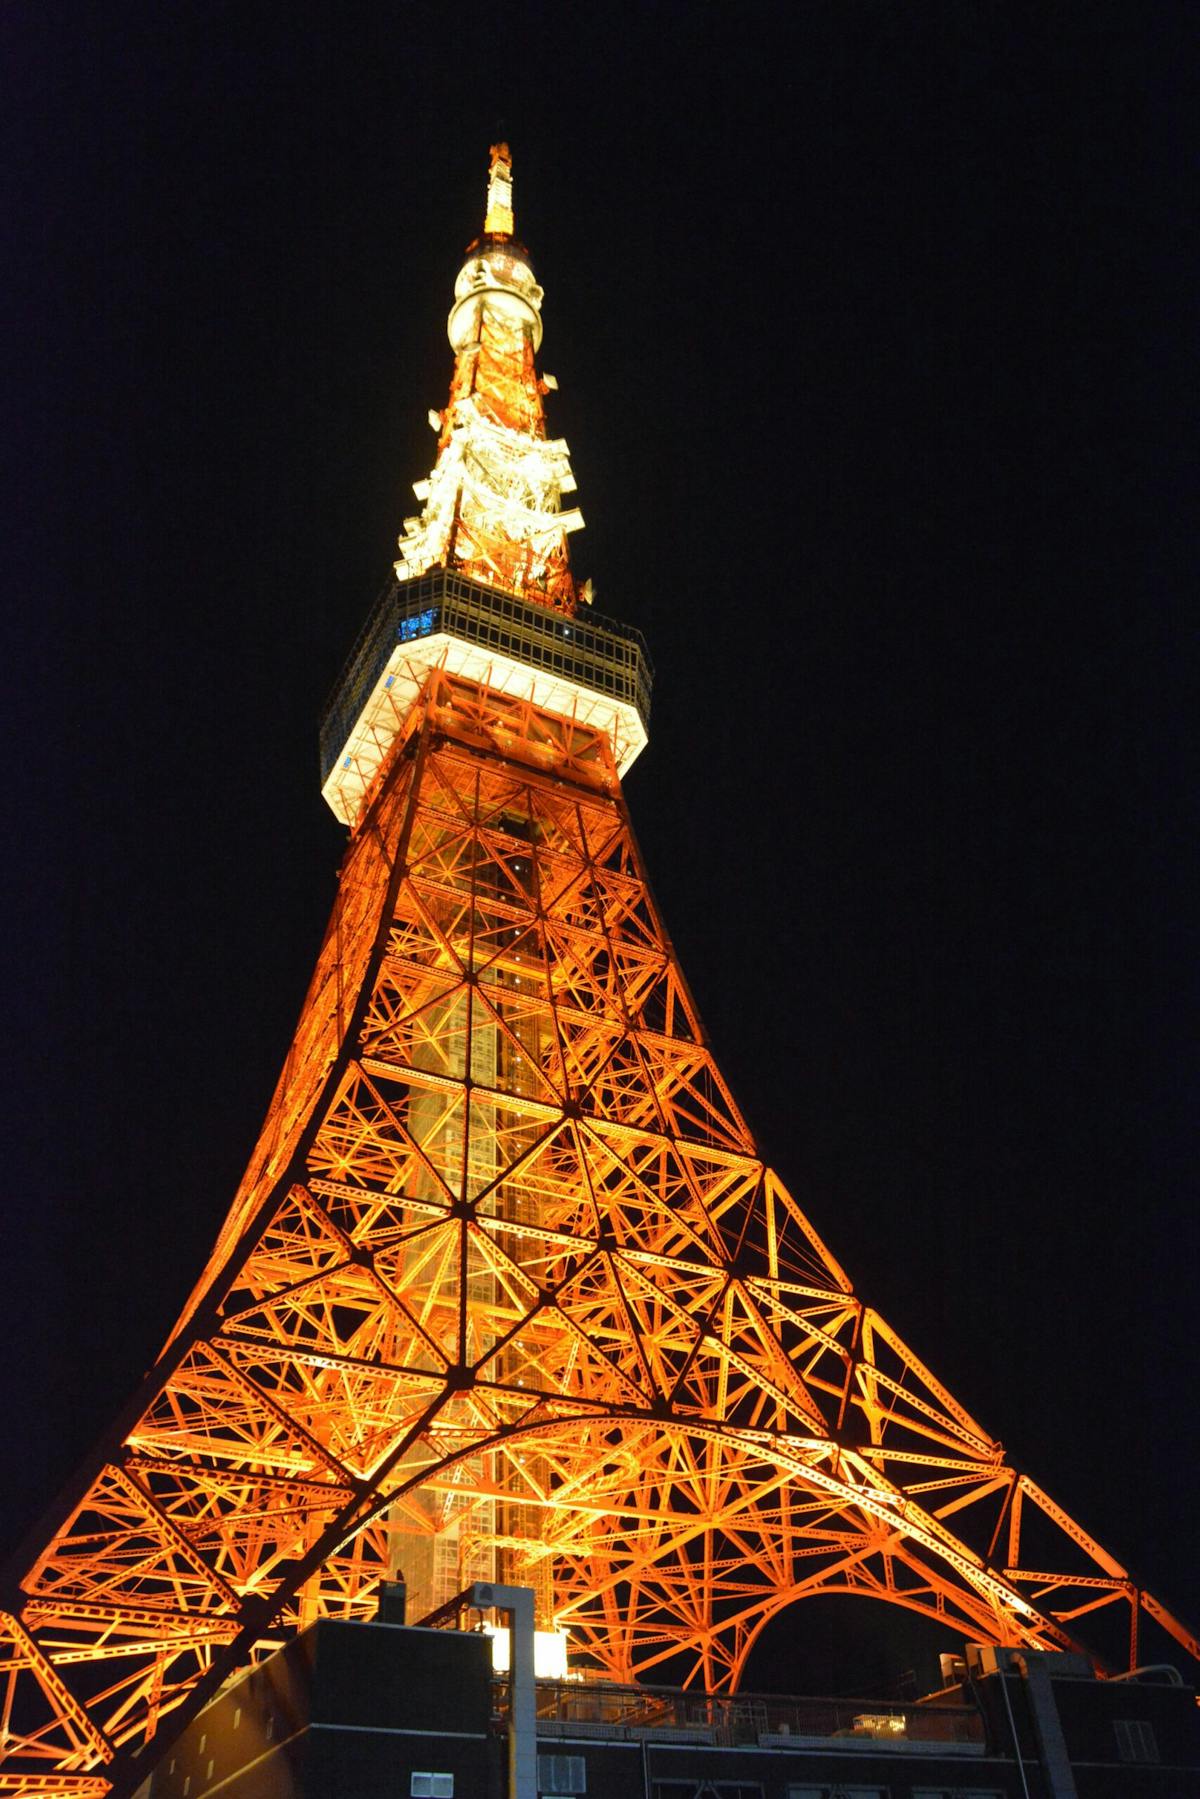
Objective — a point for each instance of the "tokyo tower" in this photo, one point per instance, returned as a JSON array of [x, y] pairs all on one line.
[[507, 1292]]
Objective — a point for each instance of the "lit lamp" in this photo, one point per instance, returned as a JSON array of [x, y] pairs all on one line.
[[549, 1652]]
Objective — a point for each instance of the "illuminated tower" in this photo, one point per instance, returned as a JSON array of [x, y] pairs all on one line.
[[506, 1289]]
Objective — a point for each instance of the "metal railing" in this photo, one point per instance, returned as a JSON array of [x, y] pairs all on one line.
[[596, 652], [596, 1708]]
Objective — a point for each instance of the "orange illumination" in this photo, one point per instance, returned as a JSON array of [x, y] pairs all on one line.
[[499, 220], [507, 1293], [493, 502]]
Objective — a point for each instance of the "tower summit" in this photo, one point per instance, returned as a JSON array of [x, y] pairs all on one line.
[[507, 1293], [493, 502], [483, 586]]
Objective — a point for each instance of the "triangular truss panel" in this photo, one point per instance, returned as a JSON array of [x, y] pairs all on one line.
[[508, 1293]]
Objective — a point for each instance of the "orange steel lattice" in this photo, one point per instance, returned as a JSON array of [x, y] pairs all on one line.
[[507, 1291]]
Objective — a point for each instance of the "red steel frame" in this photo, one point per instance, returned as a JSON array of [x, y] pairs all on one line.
[[506, 1254], [508, 1291]]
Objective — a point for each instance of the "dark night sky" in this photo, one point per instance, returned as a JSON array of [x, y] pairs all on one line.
[[871, 334]]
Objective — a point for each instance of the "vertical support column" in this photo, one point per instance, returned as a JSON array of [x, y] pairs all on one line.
[[522, 1715], [1052, 1745]]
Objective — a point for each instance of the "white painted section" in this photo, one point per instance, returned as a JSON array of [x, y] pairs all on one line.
[[401, 681]]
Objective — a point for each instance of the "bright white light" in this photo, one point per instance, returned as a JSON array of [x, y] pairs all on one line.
[[399, 687], [549, 1652]]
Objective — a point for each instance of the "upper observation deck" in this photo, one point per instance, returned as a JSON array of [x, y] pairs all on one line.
[[585, 667]]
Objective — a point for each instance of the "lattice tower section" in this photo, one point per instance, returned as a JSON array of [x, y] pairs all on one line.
[[507, 1291], [508, 1286], [493, 501]]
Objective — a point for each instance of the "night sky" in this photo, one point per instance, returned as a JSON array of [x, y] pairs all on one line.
[[871, 324]]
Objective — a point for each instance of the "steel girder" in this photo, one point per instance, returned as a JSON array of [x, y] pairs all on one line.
[[508, 1291]]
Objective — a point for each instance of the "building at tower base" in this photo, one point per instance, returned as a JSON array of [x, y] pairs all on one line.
[[382, 1711]]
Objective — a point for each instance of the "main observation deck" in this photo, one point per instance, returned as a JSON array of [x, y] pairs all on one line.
[[584, 667]]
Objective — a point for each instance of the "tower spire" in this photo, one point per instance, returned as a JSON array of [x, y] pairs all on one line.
[[493, 500], [499, 219]]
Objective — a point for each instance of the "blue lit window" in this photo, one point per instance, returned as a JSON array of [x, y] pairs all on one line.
[[420, 625]]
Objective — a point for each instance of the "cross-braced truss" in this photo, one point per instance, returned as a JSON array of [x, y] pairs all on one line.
[[508, 1290]]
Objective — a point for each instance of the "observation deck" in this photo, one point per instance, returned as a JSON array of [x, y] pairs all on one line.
[[585, 667]]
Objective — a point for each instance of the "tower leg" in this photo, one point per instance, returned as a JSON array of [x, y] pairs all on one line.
[[507, 1283]]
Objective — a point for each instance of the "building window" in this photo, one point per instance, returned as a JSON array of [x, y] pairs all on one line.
[[842, 1791], [1136, 1741], [957, 1793], [562, 1775], [719, 1789], [431, 1786]]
